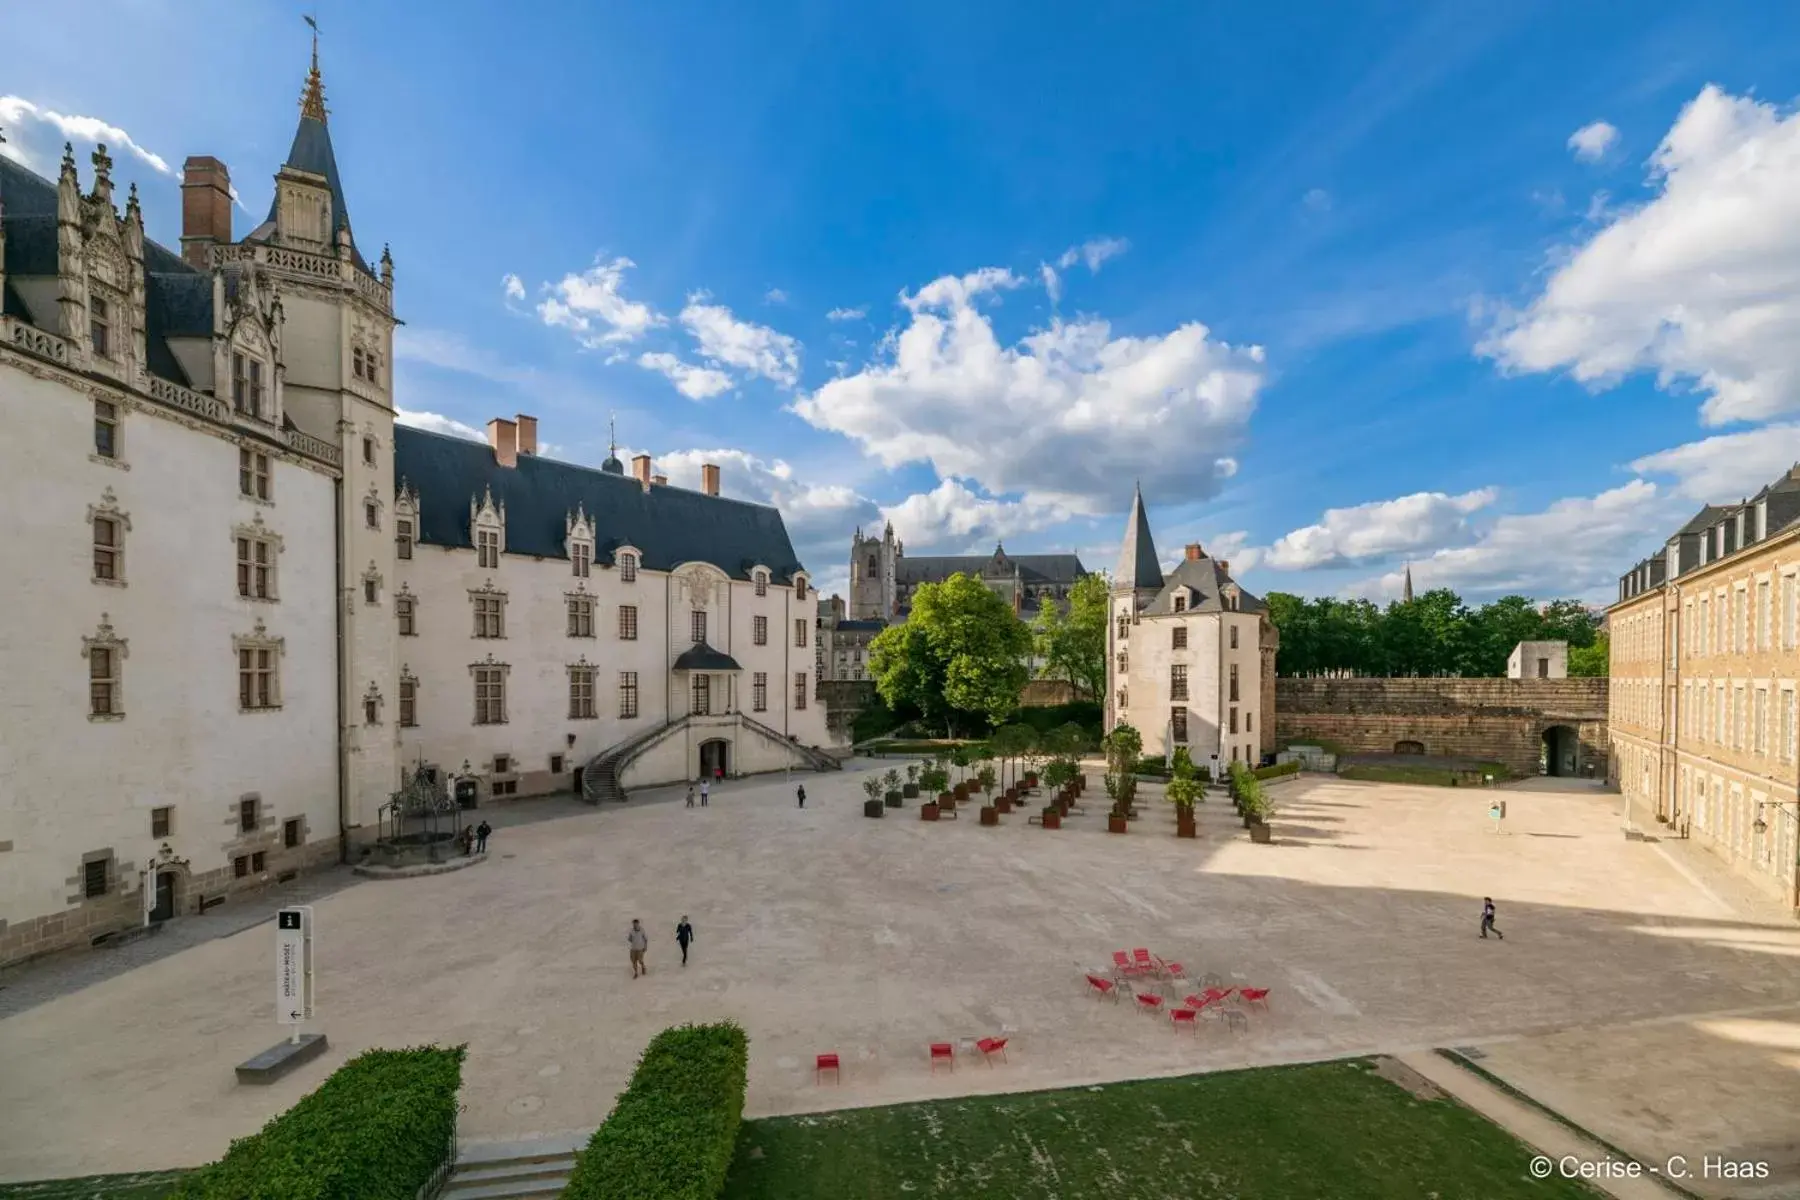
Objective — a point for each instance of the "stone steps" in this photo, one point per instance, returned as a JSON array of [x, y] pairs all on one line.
[[533, 1170]]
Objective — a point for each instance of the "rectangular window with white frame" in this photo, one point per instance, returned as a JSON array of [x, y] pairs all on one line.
[[103, 681], [109, 549], [581, 693], [487, 548], [403, 537], [406, 610], [628, 695], [106, 430], [490, 615], [800, 631], [253, 474], [697, 626], [100, 326], [759, 692], [581, 616], [1759, 722], [628, 623], [799, 690], [702, 698], [409, 702], [628, 568], [258, 685], [490, 695], [1763, 622], [759, 631], [247, 385], [581, 558]]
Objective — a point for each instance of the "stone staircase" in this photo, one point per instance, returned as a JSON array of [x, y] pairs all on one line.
[[818, 760], [600, 778], [534, 1170]]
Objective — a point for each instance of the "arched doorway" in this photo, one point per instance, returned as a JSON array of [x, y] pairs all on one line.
[[1409, 747], [1560, 754], [715, 758]]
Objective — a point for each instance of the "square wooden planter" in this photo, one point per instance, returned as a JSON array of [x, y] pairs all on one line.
[[990, 815], [928, 811], [1004, 804], [1052, 818]]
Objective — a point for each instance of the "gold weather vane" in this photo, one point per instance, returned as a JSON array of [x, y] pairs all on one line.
[[312, 100]]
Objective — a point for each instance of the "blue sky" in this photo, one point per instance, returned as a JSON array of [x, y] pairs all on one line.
[[1504, 291]]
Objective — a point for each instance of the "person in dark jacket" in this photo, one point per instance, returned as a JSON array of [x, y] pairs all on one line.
[[800, 795], [1487, 918], [684, 933], [481, 836]]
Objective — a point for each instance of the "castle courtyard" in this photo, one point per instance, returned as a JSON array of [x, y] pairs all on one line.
[[1636, 992]]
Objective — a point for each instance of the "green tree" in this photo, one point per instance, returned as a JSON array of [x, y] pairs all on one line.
[[959, 658], [1011, 743], [1592, 661], [1073, 643]]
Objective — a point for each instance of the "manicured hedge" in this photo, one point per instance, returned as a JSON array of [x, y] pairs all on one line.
[[1278, 770], [1085, 713], [376, 1130], [671, 1135]]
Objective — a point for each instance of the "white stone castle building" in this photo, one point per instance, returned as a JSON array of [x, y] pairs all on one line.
[[1190, 654], [249, 604]]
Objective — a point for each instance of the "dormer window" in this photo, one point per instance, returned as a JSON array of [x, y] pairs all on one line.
[[488, 522], [581, 557], [100, 326], [762, 583], [628, 567], [1181, 601], [800, 588], [246, 385]]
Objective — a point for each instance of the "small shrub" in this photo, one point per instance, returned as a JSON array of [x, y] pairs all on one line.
[[671, 1135], [1151, 764], [378, 1129], [1278, 770], [1182, 766], [872, 787]]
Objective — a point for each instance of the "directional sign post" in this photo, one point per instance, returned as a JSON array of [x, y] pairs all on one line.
[[293, 967]]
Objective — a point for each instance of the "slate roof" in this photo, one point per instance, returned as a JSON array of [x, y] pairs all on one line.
[[704, 658], [862, 626], [667, 525], [1706, 518], [1207, 582], [1138, 567], [1032, 568]]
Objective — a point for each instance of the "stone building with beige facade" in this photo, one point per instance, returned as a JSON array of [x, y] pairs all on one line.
[[1705, 667], [1190, 655], [254, 602]]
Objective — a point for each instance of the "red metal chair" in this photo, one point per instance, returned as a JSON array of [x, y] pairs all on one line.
[[1140, 958], [1184, 1016], [1216, 994], [990, 1047], [942, 1052], [1174, 970], [1103, 987], [1255, 996], [827, 1062], [1123, 967], [1149, 1002], [1207, 1005]]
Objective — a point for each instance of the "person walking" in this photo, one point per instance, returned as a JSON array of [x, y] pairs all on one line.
[[684, 933], [800, 795], [690, 802], [705, 791], [481, 836], [639, 942], [1487, 918], [466, 839]]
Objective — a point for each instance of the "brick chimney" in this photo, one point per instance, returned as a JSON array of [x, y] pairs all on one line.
[[709, 478], [503, 436], [1224, 567], [660, 480], [640, 468], [1194, 552], [205, 209], [527, 434]]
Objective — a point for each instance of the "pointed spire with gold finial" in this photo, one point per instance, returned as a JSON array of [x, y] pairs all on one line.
[[312, 100]]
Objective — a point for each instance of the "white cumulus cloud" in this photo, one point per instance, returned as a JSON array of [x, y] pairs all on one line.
[[438, 423], [818, 516], [956, 518], [727, 341], [1591, 142], [513, 286], [847, 314], [1700, 285], [1093, 252], [694, 382], [1067, 416], [1381, 529], [17, 112], [775, 296], [1728, 466], [592, 305]]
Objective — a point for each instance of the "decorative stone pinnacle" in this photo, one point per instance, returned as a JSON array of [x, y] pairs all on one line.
[[312, 99], [102, 164]]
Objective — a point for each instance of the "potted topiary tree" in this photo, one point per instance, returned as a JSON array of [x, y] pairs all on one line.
[[1182, 791], [873, 807], [892, 779], [961, 758], [1123, 746], [910, 789], [984, 778]]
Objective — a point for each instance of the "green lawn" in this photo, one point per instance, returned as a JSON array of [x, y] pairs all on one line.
[[1334, 1130], [148, 1185], [1466, 775]]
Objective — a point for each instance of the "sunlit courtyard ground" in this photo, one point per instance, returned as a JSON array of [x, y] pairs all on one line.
[[1633, 992]]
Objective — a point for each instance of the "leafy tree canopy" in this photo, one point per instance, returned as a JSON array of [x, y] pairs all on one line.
[[959, 659], [1073, 644]]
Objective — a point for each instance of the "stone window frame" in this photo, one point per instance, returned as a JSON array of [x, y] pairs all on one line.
[[1178, 724], [409, 698], [259, 641], [372, 507], [248, 805], [584, 684], [109, 415], [1232, 683], [108, 513], [800, 633], [583, 612], [293, 833], [166, 813], [759, 578], [118, 649], [256, 474], [406, 612], [372, 702], [246, 536], [629, 697], [801, 583], [759, 630], [629, 560], [489, 673], [799, 691], [109, 875], [372, 584], [628, 622], [250, 388], [759, 692], [101, 306], [1233, 638], [578, 542], [406, 522], [1178, 681], [1178, 637], [697, 624], [700, 694], [487, 530], [1178, 601], [488, 601]]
